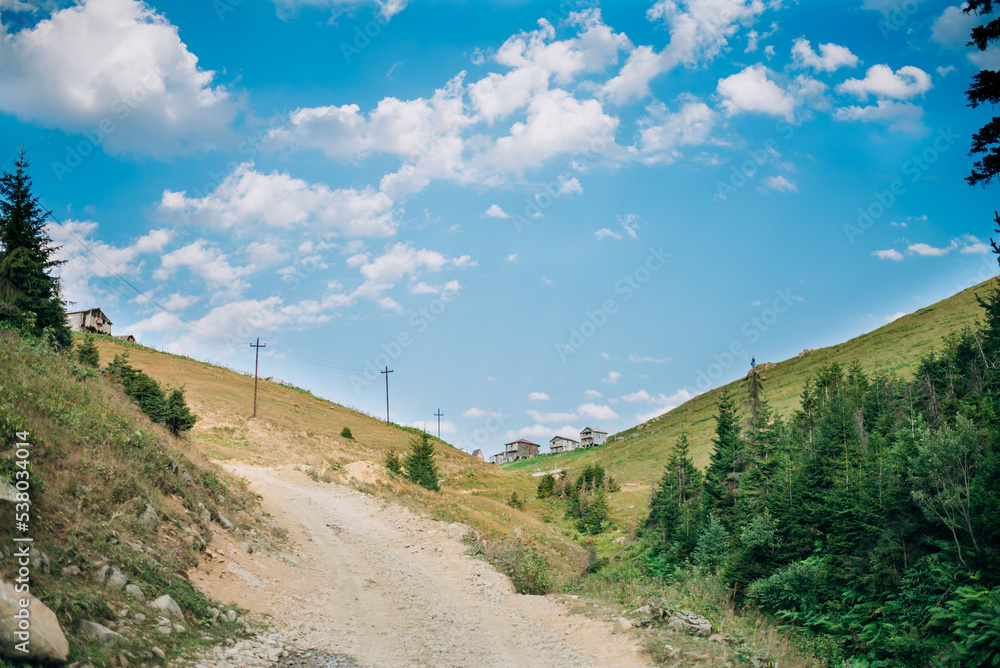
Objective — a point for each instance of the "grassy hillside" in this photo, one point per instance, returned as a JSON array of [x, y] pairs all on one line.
[[896, 348], [96, 466], [298, 430]]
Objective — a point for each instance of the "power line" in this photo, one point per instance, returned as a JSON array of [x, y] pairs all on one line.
[[386, 372]]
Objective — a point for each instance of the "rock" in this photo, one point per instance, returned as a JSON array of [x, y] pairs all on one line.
[[139, 617], [39, 560], [644, 610], [179, 628], [249, 577], [686, 622], [215, 614], [135, 592], [149, 517], [104, 635], [186, 478], [101, 574], [622, 625], [136, 547], [247, 547], [8, 492], [70, 571], [458, 530], [721, 639], [224, 521], [159, 652], [518, 531], [116, 580], [168, 606], [621, 540], [231, 615], [46, 642]]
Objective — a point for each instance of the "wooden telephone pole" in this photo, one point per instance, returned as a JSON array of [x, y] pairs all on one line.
[[386, 372], [439, 414], [256, 359]]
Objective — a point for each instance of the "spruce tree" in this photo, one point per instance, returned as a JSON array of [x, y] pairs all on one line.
[[29, 294], [86, 353], [420, 467], [674, 510], [726, 463], [178, 416]]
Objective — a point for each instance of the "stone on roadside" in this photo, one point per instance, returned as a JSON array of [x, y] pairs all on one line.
[[622, 625], [458, 530], [168, 606], [46, 643]]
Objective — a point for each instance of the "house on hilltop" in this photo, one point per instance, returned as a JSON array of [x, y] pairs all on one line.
[[90, 320], [499, 458], [562, 444], [478, 454], [520, 449], [591, 437]]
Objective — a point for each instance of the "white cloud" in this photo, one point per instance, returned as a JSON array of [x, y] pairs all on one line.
[[888, 254], [399, 262], [593, 394], [753, 91], [551, 417], [570, 186], [431, 426], [104, 261], [607, 233], [898, 116], [612, 378], [632, 82], [386, 8], [538, 396], [496, 212], [930, 251], [596, 412], [830, 58], [541, 433], [663, 133], [480, 413], [547, 281], [512, 258], [642, 396], [953, 28], [248, 200], [206, 261], [635, 358], [976, 247], [883, 83], [894, 316], [781, 184], [663, 403], [118, 69], [945, 71]]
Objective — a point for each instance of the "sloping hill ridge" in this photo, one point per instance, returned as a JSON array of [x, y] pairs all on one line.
[[895, 348]]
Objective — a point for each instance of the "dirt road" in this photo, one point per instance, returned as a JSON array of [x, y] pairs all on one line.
[[372, 581]]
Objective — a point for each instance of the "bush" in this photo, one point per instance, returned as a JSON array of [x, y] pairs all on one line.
[[346, 433], [179, 416], [972, 617], [86, 353], [794, 588], [515, 501], [420, 467], [710, 551], [171, 410], [393, 464], [528, 571], [545, 486]]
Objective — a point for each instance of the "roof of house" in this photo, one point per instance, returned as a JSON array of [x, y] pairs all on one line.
[[562, 438], [88, 310], [521, 440], [593, 431]]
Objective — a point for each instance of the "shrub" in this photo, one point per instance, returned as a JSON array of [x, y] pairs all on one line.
[[420, 467], [528, 571], [793, 588], [393, 464], [972, 617], [86, 353], [171, 410], [346, 433], [545, 486], [179, 416], [515, 501], [710, 551]]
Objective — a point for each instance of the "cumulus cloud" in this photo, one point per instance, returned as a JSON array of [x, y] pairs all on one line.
[[247, 201], [898, 116], [662, 402], [612, 378], [752, 90], [888, 254], [207, 262], [402, 261], [481, 413], [635, 358], [905, 83], [496, 212], [830, 58], [538, 396], [117, 69], [780, 184], [663, 133], [386, 8]]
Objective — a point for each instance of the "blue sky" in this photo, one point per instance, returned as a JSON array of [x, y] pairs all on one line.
[[541, 216]]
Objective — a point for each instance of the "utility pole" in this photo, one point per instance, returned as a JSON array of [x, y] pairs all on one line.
[[386, 372], [256, 359], [439, 414]]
